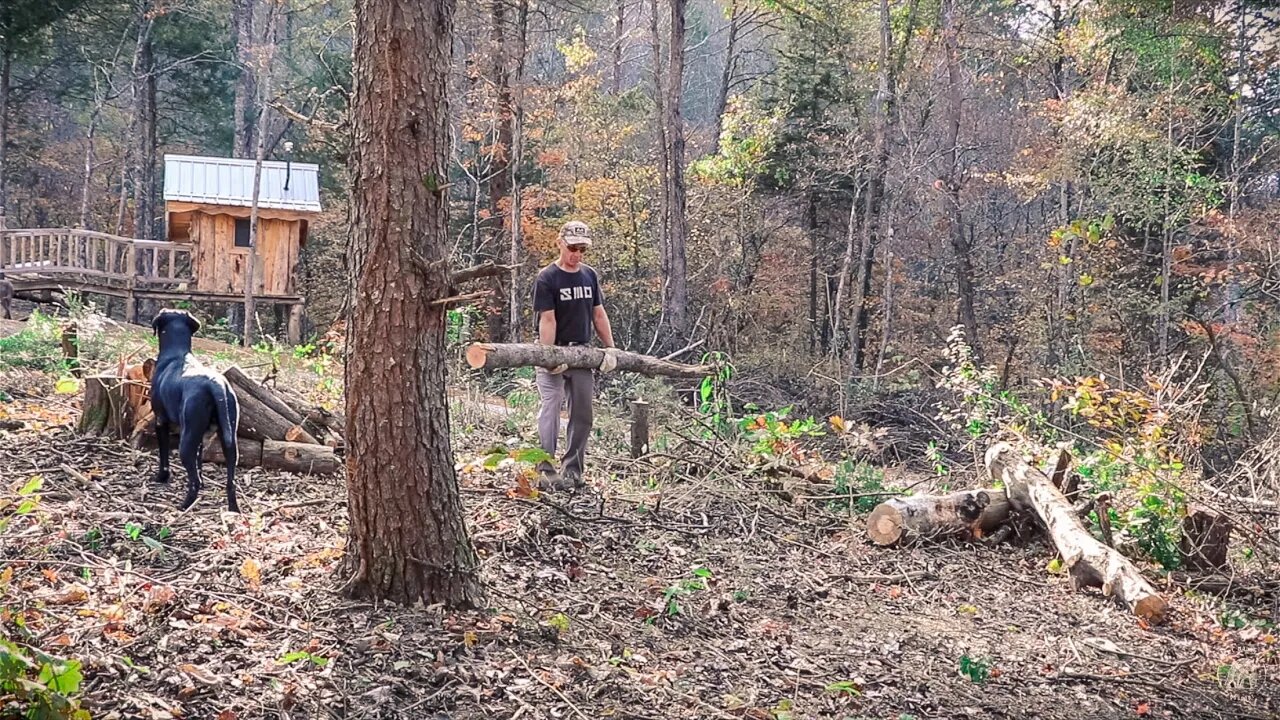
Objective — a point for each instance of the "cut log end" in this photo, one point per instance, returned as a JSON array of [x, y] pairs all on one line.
[[1152, 608], [885, 525], [477, 353]]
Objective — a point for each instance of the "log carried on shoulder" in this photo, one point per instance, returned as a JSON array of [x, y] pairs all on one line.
[[505, 355], [1088, 560]]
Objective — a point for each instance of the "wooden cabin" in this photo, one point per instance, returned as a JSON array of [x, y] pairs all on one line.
[[208, 202]]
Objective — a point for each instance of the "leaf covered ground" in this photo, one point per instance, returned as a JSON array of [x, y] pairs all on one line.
[[680, 587]]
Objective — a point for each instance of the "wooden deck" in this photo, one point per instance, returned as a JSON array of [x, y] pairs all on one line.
[[93, 262]]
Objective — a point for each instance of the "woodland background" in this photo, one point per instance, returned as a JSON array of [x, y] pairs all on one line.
[[1086, 187]]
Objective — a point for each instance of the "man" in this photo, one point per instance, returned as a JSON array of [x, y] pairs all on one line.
[[567, 304]]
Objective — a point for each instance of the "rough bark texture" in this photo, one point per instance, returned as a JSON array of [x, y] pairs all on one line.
[[500, 183], [105, 410], [639, 428], [502, 355], [246, 111], [1206, 537], [6, 61], [408, 537], [1090, 563], [676, 305], [968, 515]]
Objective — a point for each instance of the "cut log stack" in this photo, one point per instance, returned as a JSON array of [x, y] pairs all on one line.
[[974, 514], [274, 431]]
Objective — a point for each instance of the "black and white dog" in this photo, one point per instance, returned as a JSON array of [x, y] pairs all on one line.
[[186, 392]]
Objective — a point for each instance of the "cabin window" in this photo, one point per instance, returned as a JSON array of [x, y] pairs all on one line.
[[242, 232]]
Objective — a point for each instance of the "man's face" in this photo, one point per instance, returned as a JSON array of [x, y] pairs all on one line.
[[571, 254]]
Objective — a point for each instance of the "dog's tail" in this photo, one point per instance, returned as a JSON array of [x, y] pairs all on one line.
[[228, 418]]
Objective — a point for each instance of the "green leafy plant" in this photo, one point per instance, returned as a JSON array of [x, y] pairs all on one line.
[[713, 393], [38, 686], [978, 670], [299, 655], [858, 478], [773, 437]]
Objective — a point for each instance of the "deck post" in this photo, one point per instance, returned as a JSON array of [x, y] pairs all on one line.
[[295, 324]]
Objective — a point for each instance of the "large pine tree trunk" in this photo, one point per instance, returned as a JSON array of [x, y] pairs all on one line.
[[146, 188], [408, 538], [676, 306]]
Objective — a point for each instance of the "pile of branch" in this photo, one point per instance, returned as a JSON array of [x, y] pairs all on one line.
[[275, 431], [978, 513]]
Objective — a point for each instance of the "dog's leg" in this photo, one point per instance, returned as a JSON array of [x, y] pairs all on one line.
[[228, 424], [163, 430], [189, 452]]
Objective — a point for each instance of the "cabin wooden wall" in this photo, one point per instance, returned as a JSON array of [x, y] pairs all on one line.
[[220, 266]]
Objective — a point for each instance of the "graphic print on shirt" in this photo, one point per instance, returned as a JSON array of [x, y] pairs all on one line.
[[582, 292]]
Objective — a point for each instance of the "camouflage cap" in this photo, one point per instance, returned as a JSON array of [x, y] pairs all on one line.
[[575, 232]]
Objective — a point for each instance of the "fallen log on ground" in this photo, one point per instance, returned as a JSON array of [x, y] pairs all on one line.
[[968, 515], [244, 385], [301, 458], [581, 357], [1089, 562]]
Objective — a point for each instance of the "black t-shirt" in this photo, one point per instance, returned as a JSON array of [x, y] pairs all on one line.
[[573, 296]]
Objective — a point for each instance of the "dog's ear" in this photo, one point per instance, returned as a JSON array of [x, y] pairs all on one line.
[[155, 323], [192, 323]]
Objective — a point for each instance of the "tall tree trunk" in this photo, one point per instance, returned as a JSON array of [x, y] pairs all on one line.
[[139, 123], [408, 537], [517, 155], [265, 66], [726, 75], [145, 187], [1064, 281], [664, 151], [951, 178], [499, 172], [6, 60], [811, 224], [246, 112], [872, 220], [846, 271], [677, 302], [619, 32]]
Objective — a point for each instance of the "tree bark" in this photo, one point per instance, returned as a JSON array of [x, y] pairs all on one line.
[[968, 515], [408, 538], [726, 75], [299, 458], [676, 305], [245, 122], [1206, 537], [1089, 562], [517, 155], [6, 61], [873, 222], [499, 172], [264, 65], [104, 411], [504, 355], [664, 152], [282, 421], [951, 179], [619, 32]]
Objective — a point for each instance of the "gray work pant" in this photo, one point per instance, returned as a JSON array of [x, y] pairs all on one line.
[[579, 387]]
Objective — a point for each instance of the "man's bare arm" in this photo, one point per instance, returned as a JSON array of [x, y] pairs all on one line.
[[600, 319]]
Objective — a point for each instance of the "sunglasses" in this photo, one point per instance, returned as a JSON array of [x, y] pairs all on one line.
[[577, 248]]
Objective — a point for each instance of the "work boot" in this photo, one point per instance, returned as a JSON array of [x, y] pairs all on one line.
[[574, 479], [550, 480]]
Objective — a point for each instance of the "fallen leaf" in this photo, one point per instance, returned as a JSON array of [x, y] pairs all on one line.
[[226, 715], [73, 594], [200, 675], [249, 571], [1143, 708]]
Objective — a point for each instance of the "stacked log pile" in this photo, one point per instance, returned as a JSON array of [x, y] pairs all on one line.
[[275, 431]]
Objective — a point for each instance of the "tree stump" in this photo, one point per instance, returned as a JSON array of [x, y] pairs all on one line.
[[639, 428], [1206, 535], [105, 411]]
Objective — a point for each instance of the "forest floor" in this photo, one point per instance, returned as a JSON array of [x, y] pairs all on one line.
[[653, 593]]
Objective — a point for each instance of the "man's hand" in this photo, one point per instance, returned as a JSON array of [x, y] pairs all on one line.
[[558, 369], [610, 360]]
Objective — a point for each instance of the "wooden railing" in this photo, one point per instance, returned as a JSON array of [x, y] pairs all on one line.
[[95, 257]]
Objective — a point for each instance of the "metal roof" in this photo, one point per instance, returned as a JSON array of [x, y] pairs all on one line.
[[229, 181]]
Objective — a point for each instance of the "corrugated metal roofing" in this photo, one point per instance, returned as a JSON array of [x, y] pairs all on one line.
[[229, 181]]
